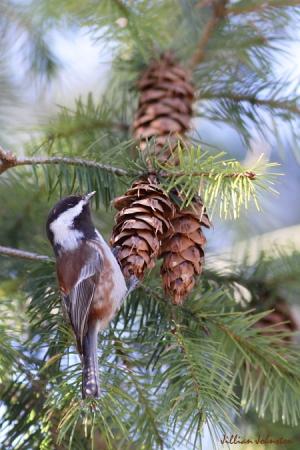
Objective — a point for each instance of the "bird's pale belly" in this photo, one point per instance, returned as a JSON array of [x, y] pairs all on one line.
[[102, 311], [110, 292]]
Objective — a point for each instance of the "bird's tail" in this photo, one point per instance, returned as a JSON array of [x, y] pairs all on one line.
[[90, 370]]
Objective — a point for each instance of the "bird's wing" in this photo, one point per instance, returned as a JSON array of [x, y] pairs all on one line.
[[78, 301]]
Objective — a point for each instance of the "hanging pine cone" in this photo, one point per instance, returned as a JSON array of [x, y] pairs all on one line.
[[144, 213], [182, 251], [165, 105]]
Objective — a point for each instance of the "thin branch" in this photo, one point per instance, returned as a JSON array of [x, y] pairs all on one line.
[[247, 9], [219, 12], [118, 344], [181, 344], [275, 104], [15, 253], [9, 160], [246, 174], [241, 340], [246, 343]]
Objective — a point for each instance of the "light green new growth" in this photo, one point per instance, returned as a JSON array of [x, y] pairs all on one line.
[[224, 185]]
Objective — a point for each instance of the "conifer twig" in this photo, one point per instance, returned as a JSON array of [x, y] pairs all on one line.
[[90, 126], [9, 160], [219, 12], [23, 254], [118, 344], [247, 174], [247, 9], [254, 100]]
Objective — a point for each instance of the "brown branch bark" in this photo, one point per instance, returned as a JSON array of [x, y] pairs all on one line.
[[8, 160], [23, 254], [219, 12]]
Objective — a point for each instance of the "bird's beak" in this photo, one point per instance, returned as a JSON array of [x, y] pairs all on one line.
[[87, 197]]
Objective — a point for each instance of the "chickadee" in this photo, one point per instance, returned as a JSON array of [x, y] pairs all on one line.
[[90, 279]]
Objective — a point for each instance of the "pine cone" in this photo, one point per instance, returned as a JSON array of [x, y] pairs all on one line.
[[144, 215], [182, 251], [165, 105]]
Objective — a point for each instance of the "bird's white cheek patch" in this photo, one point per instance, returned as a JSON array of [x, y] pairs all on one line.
[[63, 233]]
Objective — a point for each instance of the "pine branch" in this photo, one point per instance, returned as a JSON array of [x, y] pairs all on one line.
[[219, 12], [264, 366], [23, 254], [253, 349], [90, 126], [260, 7], [84, 127], [143, 399], [218, 181], [122, 7], [194, 366], [285, 105], [183, 348], [182, 173], [8, 160]]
